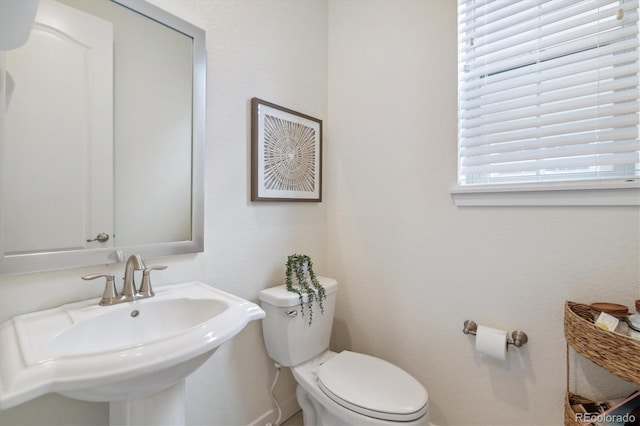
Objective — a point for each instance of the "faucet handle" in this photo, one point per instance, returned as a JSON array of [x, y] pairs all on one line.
[[145, 286], [110, 295]]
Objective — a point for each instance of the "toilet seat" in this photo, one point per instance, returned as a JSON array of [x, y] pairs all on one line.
[[372, 387]]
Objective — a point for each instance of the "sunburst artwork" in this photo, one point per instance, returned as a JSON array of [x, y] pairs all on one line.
[[286, 154]]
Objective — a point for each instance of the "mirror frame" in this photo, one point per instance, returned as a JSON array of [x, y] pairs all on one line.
[[46, 261]]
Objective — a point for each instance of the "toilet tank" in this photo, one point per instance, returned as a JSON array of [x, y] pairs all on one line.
[[289, 338]]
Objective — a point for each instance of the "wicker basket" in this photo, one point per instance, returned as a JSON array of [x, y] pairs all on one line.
[[569, 415], [617, 353]]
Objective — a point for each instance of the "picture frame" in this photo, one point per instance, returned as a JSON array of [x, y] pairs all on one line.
[[286, 154]]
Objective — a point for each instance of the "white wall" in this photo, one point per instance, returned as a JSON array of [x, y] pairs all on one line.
[[412, 267], [275, 50]]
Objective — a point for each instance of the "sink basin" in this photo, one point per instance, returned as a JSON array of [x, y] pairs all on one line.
[[134, 325], [119, 352]]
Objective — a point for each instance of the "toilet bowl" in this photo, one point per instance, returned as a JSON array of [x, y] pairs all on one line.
[[345, 388], [349, 388]]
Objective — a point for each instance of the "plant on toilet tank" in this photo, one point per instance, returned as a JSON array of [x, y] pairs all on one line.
[[301, 266]]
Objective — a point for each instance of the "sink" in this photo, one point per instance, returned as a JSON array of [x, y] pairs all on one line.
[[121, 352], [134, 325]]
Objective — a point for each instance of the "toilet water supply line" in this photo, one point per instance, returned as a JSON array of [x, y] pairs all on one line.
[[273, 397]]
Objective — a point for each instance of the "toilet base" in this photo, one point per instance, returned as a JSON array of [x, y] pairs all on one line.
[[320, 410], [315, 413]]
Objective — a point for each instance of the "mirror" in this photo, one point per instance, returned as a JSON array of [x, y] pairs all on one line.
[[101, 137]]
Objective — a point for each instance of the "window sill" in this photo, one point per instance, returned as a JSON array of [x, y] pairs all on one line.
[[606, 193]]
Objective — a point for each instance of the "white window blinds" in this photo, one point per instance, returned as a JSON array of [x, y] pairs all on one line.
[[548, 90]]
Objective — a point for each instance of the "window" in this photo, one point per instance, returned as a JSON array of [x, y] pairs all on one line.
[[548, 92]]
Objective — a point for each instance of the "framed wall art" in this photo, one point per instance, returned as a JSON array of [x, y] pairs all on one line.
[[286, 158]]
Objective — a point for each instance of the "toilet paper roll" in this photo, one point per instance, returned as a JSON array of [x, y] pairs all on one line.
[[491, 342]]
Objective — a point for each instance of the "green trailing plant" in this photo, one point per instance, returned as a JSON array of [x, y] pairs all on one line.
[[301, 266]]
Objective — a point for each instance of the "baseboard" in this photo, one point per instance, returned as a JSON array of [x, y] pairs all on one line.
[[289, 408]]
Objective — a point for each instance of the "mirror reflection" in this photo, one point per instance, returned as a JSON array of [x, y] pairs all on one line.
[[99, 127]]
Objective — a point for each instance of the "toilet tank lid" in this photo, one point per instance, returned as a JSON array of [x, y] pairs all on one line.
[[281, 297]]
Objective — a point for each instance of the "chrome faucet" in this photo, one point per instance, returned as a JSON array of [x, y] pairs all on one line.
[[129, 292], [134, 263]]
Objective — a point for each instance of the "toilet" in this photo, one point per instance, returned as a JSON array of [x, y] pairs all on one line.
[[345, 388]]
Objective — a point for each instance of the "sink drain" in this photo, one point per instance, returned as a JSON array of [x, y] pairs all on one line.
[[135, 313]]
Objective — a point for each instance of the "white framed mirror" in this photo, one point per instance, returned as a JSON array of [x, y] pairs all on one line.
[[101, 137]]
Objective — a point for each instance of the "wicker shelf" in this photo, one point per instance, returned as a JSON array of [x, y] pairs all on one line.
[[614, 352], [617, 353]]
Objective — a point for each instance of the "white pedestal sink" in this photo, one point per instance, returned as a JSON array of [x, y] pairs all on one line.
[[134, 355]]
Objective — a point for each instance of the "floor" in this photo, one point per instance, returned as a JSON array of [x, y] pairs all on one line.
[[295, 420]]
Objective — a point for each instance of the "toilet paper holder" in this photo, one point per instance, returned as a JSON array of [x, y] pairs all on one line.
[[518, 338]]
